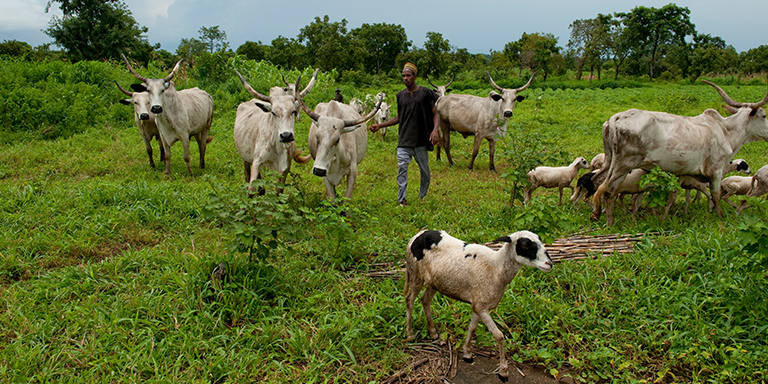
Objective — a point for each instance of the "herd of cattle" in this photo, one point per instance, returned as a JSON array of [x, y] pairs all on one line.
[[698, 149]]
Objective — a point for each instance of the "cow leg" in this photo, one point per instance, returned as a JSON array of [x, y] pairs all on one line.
[[148, 145], [167, 158], [475, 150], [447, 146], [247, 171], [714, 190], [161, 148], [491, 325], [491, 151], [426, 301], [330, 189], [202, 143], [185, 144], [466, 353], [670, 201], [254, 175], [351, 178]]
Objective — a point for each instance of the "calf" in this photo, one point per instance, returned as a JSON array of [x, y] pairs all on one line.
[[145, 120]]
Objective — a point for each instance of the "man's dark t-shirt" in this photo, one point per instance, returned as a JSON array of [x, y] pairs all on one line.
[[416, 118]]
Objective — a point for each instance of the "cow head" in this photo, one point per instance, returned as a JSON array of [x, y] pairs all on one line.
[[139, 101], [383, 114], [441, 90], [757, 124], [283, 107], [507, 97], [155, 88], [328, 135]]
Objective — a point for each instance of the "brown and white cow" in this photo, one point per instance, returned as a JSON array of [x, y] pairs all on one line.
[[264, 131], [481, 117], [179, 114], [145, 120], [338, 141], [700, 145]]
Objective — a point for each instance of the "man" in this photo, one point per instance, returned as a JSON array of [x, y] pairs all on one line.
[[338, 97], [419, 123]]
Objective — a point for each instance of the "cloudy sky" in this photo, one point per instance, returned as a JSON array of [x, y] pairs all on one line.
[[479, 26]]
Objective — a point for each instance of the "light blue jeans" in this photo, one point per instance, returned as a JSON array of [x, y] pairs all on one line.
[[404, 156]]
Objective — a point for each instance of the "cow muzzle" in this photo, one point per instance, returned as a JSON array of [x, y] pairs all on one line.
[[507, 114], [156, 109], [144, 116], [286, 137], [319, 172]]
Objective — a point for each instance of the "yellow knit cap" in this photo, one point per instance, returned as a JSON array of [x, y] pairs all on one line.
[[411, 67]]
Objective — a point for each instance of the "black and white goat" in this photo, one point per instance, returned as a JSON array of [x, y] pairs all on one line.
[[472, 273]]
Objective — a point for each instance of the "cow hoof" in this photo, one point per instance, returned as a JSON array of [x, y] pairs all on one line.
[[594, 217]]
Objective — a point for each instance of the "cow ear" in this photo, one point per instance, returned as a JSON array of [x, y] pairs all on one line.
[[264, 107], [495, 96], [447, 90], [125, 101], [138, 87], [731, 110], [520, 98], [753, 112]]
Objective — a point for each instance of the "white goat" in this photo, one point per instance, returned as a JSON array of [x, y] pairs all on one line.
[[472, 273], [554, 177], [597, 162], [758, 186], [689, 183]]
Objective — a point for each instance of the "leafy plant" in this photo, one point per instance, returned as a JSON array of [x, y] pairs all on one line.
[[258, 223], [657, 186]]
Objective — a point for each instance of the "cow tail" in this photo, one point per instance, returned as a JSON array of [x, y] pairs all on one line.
[[300, 159]]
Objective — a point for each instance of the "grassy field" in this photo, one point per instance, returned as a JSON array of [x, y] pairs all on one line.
[[106, 264]]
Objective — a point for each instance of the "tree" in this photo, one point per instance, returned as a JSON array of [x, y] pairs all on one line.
[[15, 48], [287, 53], [214, 38], [189, 49], [382, 43], [253, 51], [436, 50], [97, 30], [648, 29], [755, 60], [589, 42], [329, 46], [711, 54], [535, 51]]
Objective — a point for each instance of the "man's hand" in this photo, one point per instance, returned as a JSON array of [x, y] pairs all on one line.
[[434, 137], [374, 127]]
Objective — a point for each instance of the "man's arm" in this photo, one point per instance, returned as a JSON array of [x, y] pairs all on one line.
[[434, 137], [392, 121]]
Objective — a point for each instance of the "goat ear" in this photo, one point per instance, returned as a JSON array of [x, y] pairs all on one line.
[[505, 239]]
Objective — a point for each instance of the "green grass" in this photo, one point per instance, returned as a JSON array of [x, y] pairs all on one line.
[[105, 263]]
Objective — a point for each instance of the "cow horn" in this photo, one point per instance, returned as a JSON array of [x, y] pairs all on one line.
[[450, 82], [283, 76], [350, 123], [253, 91], [430, 82], [130, 69], [500, 89], [732, 103], [528, 84], [310, 85], [173, 73], [124, 91], [312, 115]]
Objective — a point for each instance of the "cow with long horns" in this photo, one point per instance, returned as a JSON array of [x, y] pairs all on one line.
[[145, 119], [699, 146], [179, 115], [338, 141], [264, 130], [481, 117]]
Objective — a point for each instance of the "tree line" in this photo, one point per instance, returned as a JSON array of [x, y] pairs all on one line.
[[646, 42]]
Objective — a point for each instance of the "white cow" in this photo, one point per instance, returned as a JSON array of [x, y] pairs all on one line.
[[179, 114], [338, 140], [145, 120], [441, 90], [381, 116], [685, 146], [477, 116], [264, 133]]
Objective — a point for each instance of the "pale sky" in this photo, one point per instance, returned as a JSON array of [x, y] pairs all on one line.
[[479, 26]]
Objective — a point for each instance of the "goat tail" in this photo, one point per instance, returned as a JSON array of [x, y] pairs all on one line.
[[300, 159]]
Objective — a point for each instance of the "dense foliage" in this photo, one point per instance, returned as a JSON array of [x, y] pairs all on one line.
[[112, 272]]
